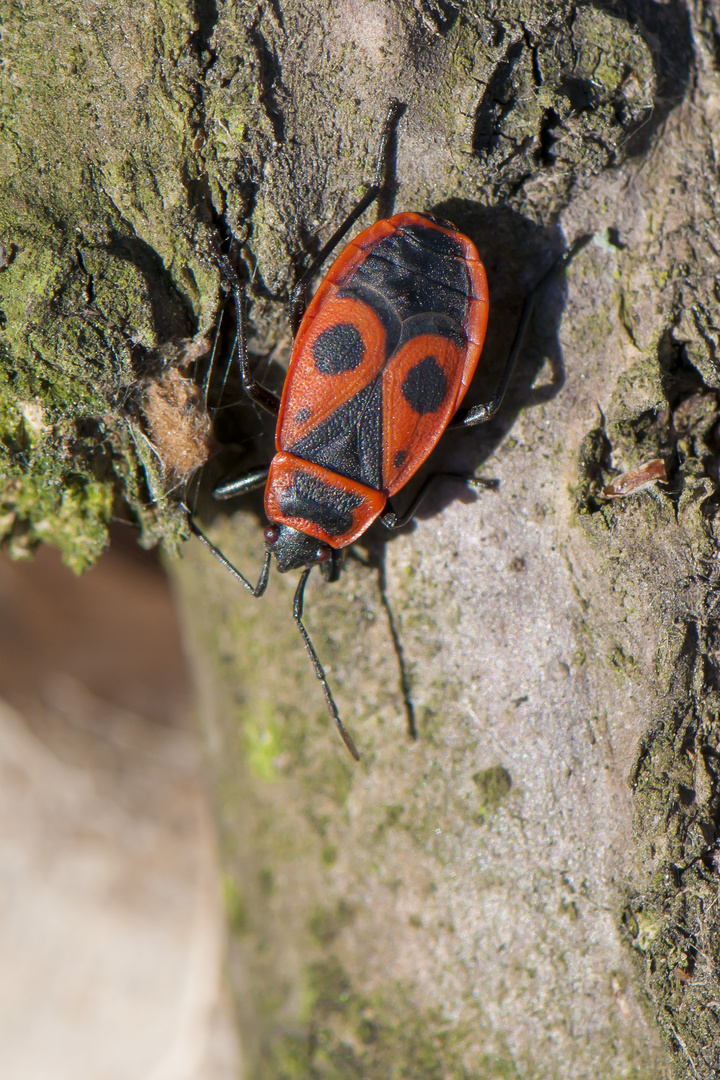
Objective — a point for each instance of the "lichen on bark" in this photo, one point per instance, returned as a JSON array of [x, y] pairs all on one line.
[[105, 265], [493, 898]]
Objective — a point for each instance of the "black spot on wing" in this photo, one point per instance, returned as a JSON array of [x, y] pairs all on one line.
[[338, 349], [349, 442], [384, 308], [399, 458], [425, 386], [309, 499]]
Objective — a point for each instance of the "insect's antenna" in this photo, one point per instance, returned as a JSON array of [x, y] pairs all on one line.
[[332, 707], [256, 590]]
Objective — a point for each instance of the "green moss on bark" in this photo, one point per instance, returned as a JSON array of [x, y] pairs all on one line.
[[104, 260]]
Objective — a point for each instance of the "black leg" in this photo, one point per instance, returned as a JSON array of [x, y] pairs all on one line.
[[259, 394], [332, 707], [330, 570], [256, 590], [249, 482], [298, 303], [391, 520], [479, 414]]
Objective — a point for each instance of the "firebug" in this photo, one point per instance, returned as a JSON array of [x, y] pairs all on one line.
[[382, 359]]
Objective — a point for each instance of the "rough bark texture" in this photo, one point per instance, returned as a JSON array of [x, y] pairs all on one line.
[[528, 889]]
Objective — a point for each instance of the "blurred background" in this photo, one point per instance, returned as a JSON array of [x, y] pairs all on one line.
[[111, 917]]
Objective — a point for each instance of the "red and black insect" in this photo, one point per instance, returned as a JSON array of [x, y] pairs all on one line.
[[381, 361]]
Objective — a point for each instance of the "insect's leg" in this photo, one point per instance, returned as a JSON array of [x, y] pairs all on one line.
[[242, 484], [256, 590], [479, 414], [330, 570], [392, 520], [259, 394], [332, 707], [205, 387], [298, 302]]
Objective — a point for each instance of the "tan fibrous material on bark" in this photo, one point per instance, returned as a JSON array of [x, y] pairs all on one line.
[[179, 425]]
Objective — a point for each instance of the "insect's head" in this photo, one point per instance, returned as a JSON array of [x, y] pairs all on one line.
[[293, 549]]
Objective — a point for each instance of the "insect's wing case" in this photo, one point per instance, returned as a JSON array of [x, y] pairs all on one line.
[[385, 352]]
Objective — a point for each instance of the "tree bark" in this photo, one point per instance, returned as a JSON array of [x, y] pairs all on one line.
[[529, 887]]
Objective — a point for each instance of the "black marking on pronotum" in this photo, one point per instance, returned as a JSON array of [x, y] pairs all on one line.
[[309, 499], [338, 349], [425, 386]]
